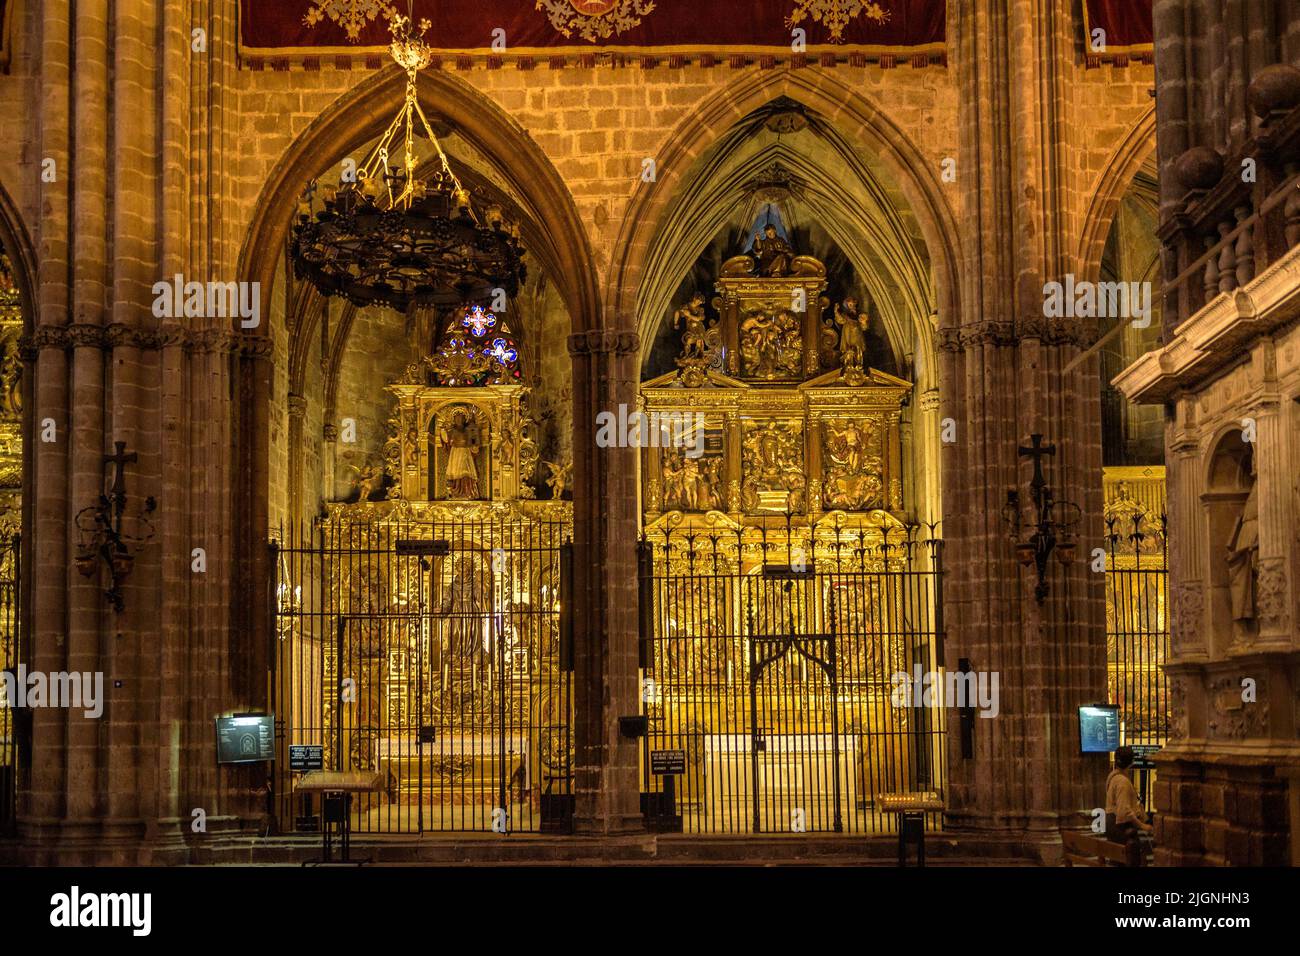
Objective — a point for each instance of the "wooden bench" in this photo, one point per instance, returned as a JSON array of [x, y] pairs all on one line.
[[1083, 849]]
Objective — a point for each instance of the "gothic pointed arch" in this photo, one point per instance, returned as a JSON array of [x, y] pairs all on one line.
[[859, 121], [1133, 151], [362, 113]]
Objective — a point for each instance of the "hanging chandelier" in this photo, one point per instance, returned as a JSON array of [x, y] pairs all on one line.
[[387, 237]]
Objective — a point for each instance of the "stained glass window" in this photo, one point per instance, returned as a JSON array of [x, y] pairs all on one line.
[[477, 350]]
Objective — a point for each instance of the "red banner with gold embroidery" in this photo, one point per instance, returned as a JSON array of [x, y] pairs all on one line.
[[270, 28], [1127, 29]]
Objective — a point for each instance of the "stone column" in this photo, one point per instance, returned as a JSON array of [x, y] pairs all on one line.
[[605, 527], [52, 543], [1276, 520], [1003, 377], [297, 415]]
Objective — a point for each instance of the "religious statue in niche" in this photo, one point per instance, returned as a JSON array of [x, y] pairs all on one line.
[[462, 450], [699, 341], [466, 606], [691, 321], [1243, 554], [691, 483], [11, 369], [773, 464], [852, 324], [773, 256], [771, 344], [853, 465]]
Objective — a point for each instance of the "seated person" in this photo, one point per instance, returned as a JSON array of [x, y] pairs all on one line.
[[1124, 815]]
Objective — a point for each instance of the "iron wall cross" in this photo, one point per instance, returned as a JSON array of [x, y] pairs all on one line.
[[103, 537], [1037, 451], [120, 459], [1052, 521]]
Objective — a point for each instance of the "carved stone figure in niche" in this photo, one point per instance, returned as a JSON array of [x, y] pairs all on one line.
[[853, 335], [771, 345], [773, 464], [691, 484], [11, 392], [772, 254], [369, 476], [853, 466], [459, 439], [690, 319], [559, 478], [1243, 554], [699, 341]]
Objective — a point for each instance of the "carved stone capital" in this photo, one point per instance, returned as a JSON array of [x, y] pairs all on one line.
[[47, 337], [118, 334], [216, 341], [85, 335], [604, 341], [255, 346], [1005, 333], [171, 334]]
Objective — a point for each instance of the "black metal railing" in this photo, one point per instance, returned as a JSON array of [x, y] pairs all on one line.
[[771, 670], [429, 652]]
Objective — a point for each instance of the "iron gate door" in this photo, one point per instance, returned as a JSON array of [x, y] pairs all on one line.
[[771, 683], [793, 700], [431, 655]]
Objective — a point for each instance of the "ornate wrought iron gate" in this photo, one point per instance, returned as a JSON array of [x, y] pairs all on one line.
[[11, 653], [775, 676], [429, 652], [1137, 629]]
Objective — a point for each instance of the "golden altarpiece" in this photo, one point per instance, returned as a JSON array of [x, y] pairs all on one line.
[[1137, 600], [776, 555], [11, 480], [441, 601]]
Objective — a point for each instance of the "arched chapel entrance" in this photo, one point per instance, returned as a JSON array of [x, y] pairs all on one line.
[[791, 557], [437, 517], [16, 323]]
